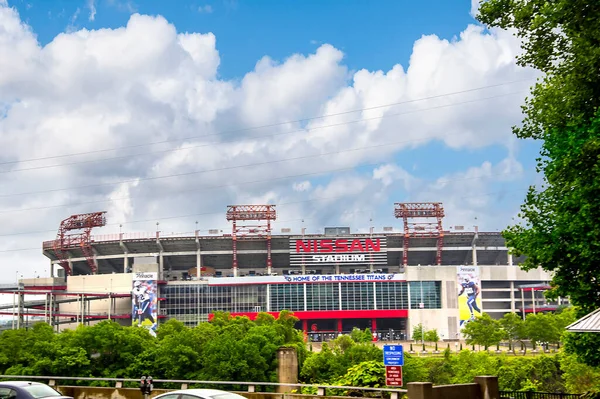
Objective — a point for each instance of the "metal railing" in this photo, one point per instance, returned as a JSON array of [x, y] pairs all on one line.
[[537, 395], [251, 386]]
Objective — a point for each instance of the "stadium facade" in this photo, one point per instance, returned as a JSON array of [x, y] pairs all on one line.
[[387, 281]]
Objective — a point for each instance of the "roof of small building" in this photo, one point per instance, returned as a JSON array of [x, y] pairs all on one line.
[[588, 323]]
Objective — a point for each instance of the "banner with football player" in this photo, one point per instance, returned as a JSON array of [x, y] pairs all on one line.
[[469, 294], [144, 300]]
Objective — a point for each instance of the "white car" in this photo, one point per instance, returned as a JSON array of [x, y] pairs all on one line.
[[199, 394]]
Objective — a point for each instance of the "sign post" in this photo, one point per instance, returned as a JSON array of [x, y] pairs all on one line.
[[393, 359]]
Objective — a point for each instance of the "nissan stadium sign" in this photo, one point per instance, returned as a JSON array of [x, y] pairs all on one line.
[[338, 251]]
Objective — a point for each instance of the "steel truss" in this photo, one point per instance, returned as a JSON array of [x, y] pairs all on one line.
[[418, 224], [263, 214], [75, 232]]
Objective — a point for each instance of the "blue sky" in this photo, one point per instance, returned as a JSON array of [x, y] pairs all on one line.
[[372, 34], [70, 91]]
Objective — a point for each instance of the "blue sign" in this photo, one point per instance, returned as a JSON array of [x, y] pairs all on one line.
[[393, 355]]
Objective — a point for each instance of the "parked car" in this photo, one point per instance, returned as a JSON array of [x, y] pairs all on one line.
[[199, 394], [28, 390]]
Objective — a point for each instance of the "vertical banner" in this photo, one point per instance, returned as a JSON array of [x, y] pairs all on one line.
[[144, 301], [469, 294]]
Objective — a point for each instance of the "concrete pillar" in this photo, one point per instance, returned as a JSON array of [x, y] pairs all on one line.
[[419, 390], [474, 255], [20, 310], [198, 264], [513, 307], [287, 369], [488, 386], [523, 303], [510, 259], [125, 262], [95, 260], [51, 269]]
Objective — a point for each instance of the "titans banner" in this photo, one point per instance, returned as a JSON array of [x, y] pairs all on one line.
[[144, 300], [469, 294]]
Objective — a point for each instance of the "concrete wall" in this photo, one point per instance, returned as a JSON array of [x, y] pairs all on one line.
[[145, 265], [512, 273], [99, 283], [42, 282], [484, 387], [448, 273], [445, 320], [287, 368], [133, 393]]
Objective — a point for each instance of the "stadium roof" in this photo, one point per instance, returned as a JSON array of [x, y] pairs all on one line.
[[588, 323], [180, 252]]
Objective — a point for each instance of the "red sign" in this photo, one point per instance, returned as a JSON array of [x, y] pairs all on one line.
[[393, 375], [340, 245]]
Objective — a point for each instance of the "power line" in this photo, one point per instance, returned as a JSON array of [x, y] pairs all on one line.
[[271, 125], [362, 148], [221, 212], [259, 137], [217, 187]]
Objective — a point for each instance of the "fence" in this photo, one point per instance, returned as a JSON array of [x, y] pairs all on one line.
[[537, 395], [321, 390]]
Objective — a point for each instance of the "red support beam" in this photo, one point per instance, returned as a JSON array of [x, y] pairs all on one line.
[[263, 214], [417, 218], [75, 232]]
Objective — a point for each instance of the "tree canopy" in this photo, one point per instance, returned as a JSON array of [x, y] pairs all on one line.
[[559, 230], [238, 349], [226, 349]]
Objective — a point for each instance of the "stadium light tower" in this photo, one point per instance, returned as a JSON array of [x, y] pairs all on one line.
[[75, 232], [417, 223], [263, 214]]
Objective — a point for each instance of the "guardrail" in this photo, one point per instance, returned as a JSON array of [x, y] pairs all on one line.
[[251, 386], [537, 395]]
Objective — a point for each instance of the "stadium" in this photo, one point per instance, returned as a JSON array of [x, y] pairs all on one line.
[[388, 281]]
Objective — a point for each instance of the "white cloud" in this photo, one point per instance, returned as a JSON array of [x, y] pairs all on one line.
[[470, 196], [207, 9], [389, 173], [145, 82], [121, 207], [72, 27], [474, 7], [301, 186], [92, 8]]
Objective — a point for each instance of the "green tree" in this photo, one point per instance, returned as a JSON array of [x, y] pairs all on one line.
[[559, 229], [359, 335], [365, 374], [431, 336], [483, 331], [418, 332], [578, 377], [541, 327], [512, 325], [336, 357]]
